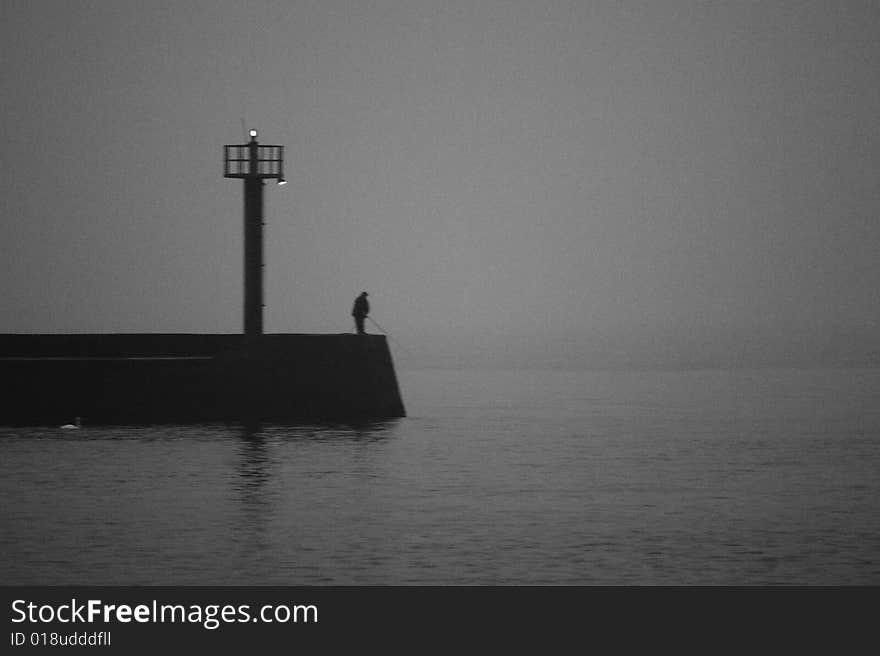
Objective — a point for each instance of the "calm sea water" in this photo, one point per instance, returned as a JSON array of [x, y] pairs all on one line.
[[765, 476]]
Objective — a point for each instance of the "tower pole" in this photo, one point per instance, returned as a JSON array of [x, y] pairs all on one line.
[[253, 163], [253, 247]]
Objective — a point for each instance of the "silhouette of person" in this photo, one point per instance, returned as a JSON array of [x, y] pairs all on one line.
[[360, 311]]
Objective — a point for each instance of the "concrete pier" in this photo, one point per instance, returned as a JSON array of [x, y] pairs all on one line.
[[168, 378]]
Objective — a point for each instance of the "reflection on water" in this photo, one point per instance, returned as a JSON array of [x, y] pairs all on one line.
[[256, 468], [495, 477]]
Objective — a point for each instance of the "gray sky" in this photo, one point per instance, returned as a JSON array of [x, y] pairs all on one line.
[[512, 181]]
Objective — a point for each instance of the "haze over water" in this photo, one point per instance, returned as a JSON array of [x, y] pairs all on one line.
[[524, 183], [765, 476]]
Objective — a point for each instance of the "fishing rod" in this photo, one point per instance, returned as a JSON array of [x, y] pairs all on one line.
[[376, 323], [388, 335]]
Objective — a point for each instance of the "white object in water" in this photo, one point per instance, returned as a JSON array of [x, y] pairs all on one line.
[[75, 426]]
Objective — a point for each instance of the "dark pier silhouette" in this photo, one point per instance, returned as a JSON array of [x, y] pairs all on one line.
[[165, 378], [168, 378]]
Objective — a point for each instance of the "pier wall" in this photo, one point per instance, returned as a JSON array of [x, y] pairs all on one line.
[[166, 378]]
